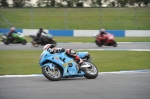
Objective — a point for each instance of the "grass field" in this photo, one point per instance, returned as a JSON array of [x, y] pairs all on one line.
[[76, 18], [26, 62]]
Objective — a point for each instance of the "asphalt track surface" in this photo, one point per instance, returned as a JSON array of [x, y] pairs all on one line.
[[84, 46], [118, 85], [105, 86]]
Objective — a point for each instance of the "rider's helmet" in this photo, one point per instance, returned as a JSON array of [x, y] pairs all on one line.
[[102, 31], [71, 52], [12, 29], [47, 46], [41, 29]]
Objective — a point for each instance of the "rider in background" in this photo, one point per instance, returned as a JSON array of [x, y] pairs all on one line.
[[39, 34], [11, 31], [69, 52], [101, 34]]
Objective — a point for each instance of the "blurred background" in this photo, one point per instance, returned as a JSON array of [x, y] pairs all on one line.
[[76, 14]]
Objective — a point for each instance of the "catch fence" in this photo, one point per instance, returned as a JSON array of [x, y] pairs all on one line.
[[136, 18]]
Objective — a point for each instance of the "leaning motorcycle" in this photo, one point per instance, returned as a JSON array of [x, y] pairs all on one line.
[[45, 39], [59, 65], [106, 40], [18, 38]]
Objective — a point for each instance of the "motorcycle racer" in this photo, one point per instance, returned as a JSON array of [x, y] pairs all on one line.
[[69, 52], [39, 33], [11, 31], [101, 34]]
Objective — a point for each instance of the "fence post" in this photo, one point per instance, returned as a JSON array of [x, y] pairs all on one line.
[[66, 17], [101, 17], [31, 16], [136, 21]]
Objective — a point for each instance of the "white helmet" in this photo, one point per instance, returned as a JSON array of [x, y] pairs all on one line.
[[102, 30], [47, 46], [13, 29]]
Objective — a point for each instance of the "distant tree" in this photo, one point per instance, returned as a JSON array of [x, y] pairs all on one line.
[[131, 2], [113, 4], [99, 2], [4, 3], [19, 3], [69, 3], [122, 2], [39, 3], [146, 2], [79, 4], [53, 3]]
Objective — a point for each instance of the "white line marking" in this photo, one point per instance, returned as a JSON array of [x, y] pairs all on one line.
[[101, 73]]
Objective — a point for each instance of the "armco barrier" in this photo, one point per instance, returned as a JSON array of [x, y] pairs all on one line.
[[61, 32], [137, 33], [117, 33], [88, 33]]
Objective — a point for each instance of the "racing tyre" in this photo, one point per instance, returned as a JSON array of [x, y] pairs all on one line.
[[5, 41], [90, 72], [114, 44], [23, 42], [52, 74], [53, 42], [35, 44], [98, 44]]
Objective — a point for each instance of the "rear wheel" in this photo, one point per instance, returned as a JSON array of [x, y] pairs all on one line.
[[6, 41], [52, 74], [91, 72]]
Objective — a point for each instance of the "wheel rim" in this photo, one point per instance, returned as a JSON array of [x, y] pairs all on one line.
[[91, 70], [55, 73]]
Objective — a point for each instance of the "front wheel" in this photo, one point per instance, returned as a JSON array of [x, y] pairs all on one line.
[[114, 44], [91, 72], [53, 42], [51, 74], [98, 44]]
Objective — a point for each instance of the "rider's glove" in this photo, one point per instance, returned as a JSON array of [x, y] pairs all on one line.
[[52, 51]]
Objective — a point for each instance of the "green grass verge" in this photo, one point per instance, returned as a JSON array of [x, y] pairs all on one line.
[[77, 18], [92, 39], [26, 62]]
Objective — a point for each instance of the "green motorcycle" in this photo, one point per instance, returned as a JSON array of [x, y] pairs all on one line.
[[18, 39]]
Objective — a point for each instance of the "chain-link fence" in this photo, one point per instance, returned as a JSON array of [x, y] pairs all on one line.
[[137, 18]]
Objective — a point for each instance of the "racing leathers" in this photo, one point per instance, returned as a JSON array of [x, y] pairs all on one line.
[[69, 52]]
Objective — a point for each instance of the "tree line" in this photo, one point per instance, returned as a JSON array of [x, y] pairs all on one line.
[[74, 3]]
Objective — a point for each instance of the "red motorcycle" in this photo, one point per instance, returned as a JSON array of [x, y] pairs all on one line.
[[106, 40]]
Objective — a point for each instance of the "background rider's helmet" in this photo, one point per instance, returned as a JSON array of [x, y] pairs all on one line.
[[47, 46], [102, 30], [41, 29], [13, 29]]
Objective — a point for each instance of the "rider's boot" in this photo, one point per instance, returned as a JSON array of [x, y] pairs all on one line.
[[79, 61]]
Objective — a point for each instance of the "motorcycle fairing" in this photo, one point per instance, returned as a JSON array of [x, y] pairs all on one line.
[[82, 54], [68, 65]]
